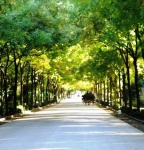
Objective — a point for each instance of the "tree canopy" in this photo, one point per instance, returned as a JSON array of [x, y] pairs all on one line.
[[47, 47]]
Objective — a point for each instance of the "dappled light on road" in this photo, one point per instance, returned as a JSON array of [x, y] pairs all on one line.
[[70, 125]]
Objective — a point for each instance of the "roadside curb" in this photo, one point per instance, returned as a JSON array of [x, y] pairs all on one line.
[[25, 113]]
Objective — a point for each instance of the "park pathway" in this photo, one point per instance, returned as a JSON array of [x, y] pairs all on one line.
[[70, 125]]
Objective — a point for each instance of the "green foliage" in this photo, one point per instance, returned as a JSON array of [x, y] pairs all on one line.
[[2, 111], [74, 43], [104, 103], [142, 100], [116, 106]]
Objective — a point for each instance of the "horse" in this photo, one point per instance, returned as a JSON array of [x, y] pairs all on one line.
[[88, 98]]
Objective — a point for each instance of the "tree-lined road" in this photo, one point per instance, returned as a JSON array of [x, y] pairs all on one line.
[[70, 125]]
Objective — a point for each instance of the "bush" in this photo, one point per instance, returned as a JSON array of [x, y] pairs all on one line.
[[142, 100], [104, 103], [18, 111], [97, 100], [2, 111], [126, 110], [134, 103], [116, 106], [142, 114], [27, 107], [135, 113], [36, 105], [20, 107], [11, 111]]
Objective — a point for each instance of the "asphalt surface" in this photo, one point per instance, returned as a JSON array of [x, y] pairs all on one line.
[[70, 125]]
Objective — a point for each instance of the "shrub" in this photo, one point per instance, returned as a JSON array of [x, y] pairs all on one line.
[[136, 114], [116, 106], [2, 111], [11, 111], [142, 114], [18, 110], [142, 100], [36, 105], [125, 109], [104, 103]]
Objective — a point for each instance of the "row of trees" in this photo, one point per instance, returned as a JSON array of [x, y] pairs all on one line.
[[33, 37], [117, 53], [47, 47]]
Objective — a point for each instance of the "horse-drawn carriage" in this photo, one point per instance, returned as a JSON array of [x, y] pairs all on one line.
[[88, 98]]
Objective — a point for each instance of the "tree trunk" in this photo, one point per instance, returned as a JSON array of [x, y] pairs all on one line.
[[124, 89], [15, 87], [111, 103], [26, 87], [108, 91], [129, 85], [21, 81], [104, 91], [101, 96], [136, 85], [1, 87], [119, 87], [115, 90], [5, 95], [137, 37], [32, 88]]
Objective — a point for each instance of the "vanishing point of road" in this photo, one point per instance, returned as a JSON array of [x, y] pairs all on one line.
[[70, 125]]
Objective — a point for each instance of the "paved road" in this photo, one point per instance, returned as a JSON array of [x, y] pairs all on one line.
[[70, 125]]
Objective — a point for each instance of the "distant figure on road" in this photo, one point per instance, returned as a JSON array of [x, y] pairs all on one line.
[[88, 98]]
